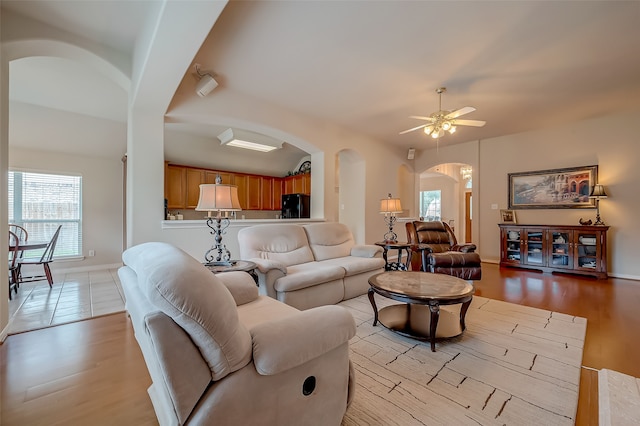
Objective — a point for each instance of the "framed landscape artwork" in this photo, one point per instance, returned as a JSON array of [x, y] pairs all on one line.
[[553, 189]]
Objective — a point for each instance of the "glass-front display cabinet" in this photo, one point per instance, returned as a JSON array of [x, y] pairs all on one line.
[[562, 248]]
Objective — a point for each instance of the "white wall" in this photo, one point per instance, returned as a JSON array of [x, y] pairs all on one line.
[[352, 178], [101, 200]]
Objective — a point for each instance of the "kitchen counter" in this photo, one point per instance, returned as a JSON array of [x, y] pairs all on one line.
[[233, 223]]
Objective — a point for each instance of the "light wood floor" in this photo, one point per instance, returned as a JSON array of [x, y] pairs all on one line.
[[92, 372]]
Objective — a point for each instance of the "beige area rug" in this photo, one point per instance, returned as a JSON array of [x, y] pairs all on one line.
[[618, 399], [514, 365]]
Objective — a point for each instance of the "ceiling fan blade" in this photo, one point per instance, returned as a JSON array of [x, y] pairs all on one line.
[[474, 123], [411, 130], [459, 112], [419, 117]]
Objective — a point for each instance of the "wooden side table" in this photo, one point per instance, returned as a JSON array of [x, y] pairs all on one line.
[[399, 265], [236, 265]]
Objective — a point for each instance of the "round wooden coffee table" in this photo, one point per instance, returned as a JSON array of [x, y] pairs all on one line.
[[423, 293]]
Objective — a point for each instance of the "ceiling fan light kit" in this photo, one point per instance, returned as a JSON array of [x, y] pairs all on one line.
[[444, 121]]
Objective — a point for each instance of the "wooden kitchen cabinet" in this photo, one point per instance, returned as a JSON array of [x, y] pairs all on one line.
[[306, 183], [175, 186], [194, 177], [266, 193], [240, 180], [298, 184], [287, 185], [277, 193], [254, 192], [559, 248]]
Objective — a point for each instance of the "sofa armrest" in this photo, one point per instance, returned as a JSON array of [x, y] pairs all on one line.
[[366, 250], [241, 286], [419, 248], [464, 248], [289, 342], [266, 265], [174, 363], [268, 271]]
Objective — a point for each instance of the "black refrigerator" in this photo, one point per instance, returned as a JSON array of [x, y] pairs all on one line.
[[295, 206]]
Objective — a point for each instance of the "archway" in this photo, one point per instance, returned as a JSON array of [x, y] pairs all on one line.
[[453, 184]]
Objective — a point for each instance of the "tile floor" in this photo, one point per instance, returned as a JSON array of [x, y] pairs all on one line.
[[73, 297]]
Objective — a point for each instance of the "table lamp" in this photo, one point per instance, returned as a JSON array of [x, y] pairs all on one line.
[[598, 193], [218, 198], [389, 207]]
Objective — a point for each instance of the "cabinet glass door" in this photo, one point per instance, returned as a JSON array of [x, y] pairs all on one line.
[[534, 242], [560, 255], [587, 249], [513, 249]]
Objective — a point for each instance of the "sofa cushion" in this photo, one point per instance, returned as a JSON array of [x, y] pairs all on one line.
[[285, 243], [329, 240], [308, 275], [241, 286], [264, 307], [432, 233], [303, 337], [356, 265], [196, 300]]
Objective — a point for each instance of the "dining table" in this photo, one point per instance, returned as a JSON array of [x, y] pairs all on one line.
[[29, 245]]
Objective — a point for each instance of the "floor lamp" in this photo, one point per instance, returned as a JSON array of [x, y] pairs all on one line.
[[218, 198], [390, 207]]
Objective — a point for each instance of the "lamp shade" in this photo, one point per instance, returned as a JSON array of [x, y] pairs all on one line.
[[390, 205], [598, 192], [218, 197]]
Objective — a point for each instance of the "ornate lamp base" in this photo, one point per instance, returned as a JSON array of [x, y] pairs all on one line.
[[390, 236], [223, 257], [598, 222]]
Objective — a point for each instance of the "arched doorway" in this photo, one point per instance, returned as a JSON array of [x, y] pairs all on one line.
[[445, 193]]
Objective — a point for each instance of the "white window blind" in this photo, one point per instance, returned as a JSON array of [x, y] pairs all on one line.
[[41, 202]]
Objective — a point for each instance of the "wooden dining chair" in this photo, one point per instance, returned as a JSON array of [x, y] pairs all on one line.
[[44, 260], [21, 232], [14, 243]]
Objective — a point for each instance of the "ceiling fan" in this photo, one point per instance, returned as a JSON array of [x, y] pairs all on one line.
[[444, 121]]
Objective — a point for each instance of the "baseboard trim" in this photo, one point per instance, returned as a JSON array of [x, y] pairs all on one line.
[[87, 268]]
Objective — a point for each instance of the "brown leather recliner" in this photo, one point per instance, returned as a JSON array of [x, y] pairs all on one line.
[[434, 249]]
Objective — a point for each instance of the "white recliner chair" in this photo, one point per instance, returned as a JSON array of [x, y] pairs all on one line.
[[218, 353]]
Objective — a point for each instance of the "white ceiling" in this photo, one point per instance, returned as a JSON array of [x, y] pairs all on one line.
[[368, 65]]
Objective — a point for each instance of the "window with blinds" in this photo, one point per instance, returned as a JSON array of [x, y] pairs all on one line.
[[41, 202], [430, 205]]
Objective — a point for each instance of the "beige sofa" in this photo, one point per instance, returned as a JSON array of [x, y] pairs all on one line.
[[218, 353], [309, 265]]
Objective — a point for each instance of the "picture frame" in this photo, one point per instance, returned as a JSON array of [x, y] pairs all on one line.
[[566, 188], [508, 216]]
